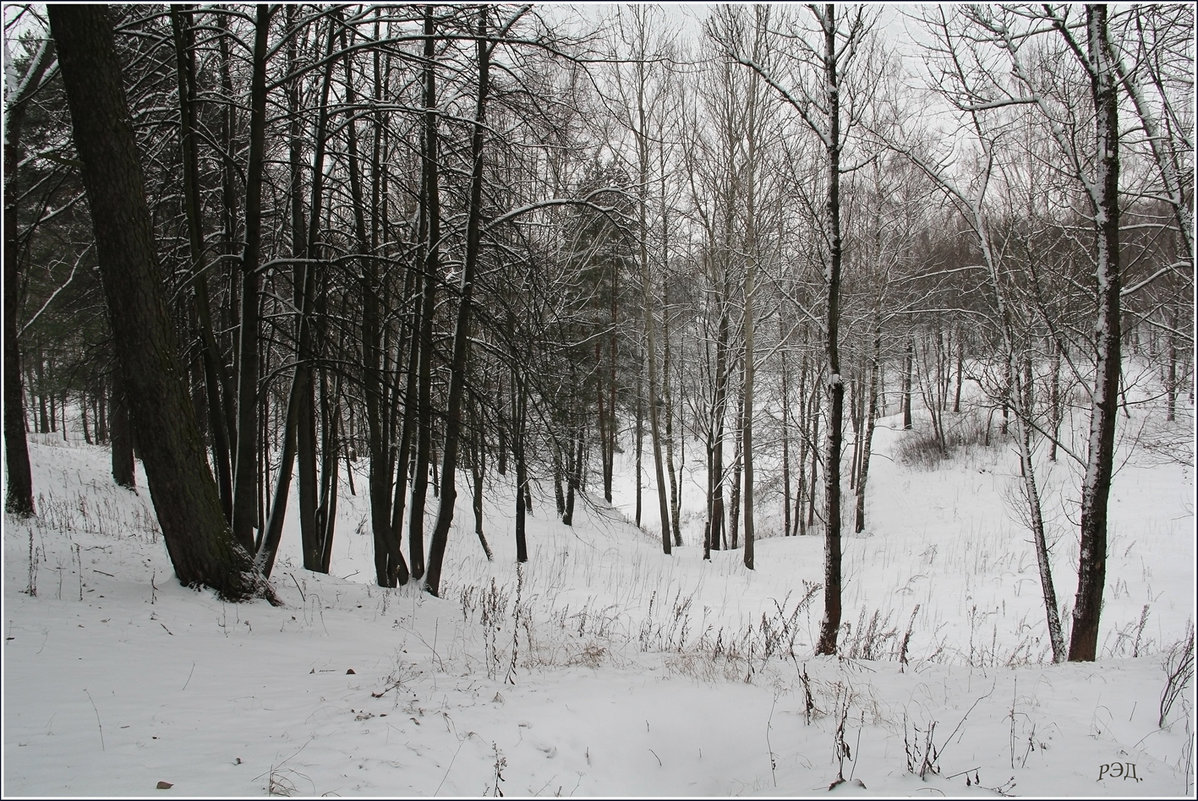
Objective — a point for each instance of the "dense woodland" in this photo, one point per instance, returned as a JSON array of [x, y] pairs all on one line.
[[458, 242]]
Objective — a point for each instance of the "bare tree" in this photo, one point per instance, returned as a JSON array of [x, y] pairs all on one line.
[[18, 497], [818, 101], [198, 538]]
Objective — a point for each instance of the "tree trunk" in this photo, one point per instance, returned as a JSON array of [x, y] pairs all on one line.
[[871, 416], [737, 469], [959, 371], [785, 426], [431, 196], [478, 472], [18, 498], [800, 514], [830, 626], [668, 411], [1096, 486], [461, 334], [639, 435], [667, 395], [122, 434], [520, 413], [1036, 520], [390, 568], [201, 545], [663, 501], [907, 382], [1171, 369], [245, 465], [214, 380], [715, 495]]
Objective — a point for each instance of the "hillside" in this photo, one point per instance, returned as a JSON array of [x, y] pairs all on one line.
[[604, 668]]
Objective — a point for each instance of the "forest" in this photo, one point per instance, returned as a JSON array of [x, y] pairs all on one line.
[[717, 290], [257, 245]]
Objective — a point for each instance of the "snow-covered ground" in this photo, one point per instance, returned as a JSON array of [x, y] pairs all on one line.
[[605, 668]]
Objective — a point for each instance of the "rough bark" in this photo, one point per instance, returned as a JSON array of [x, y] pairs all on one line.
[[830, 626], [461, 334], [197, 536], [245, 464], [869, 424], [215, 382], [431, 197], [18, 498], [121, 444], [1096, 485]]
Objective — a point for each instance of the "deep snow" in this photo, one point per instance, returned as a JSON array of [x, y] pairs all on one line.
[[633, 673]]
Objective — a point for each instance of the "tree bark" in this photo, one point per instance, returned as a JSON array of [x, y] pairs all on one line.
[[871, 415], [1096, 485], [18, 498], [121, 445], [245, 465], [907, 382], [461, 334], [663, 501], [830, 626], [215, 383], [197, 536], [431, 196]]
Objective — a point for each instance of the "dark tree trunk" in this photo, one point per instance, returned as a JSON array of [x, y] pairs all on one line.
[[18, 498], [87, 436], [431, 196], [1096, 487], [668, 411], [245, 466], [785, 418], [520, 415], [959, 372], [639, 436], [715, 497], [814, 416], [908, 367], [215, 382], [559, 473], [121, 443], [307, 298], [737, 468], [478, 472], [390, 568], [197, 536], [830, 626], [461, 334], [869, 423], [1170, 369], [800, 513]]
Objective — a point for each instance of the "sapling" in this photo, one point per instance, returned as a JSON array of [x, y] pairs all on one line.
[[499, 765], [769, 746], [1179, 672], [511, 671], [31, 590]]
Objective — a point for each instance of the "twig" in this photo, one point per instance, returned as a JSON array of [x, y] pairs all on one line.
[[964, 717], [768, 745], [450, 767], [853, 772], [303, 597], [98, 723]]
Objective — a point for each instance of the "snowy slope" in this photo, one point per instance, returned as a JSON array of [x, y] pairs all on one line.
[[605, 668]]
